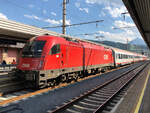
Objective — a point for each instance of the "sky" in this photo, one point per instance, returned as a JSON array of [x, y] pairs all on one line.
[[44, 13]]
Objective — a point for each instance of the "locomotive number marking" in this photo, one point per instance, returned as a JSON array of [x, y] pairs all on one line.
[[105, 57], [25, 65]]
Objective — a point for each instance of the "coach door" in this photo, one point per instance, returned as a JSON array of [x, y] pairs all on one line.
[[55, 57], [63, 56]]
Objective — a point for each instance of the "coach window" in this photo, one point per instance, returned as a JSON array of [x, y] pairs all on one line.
[[124, 56], [55, 49], [120, 56], [117, 56]]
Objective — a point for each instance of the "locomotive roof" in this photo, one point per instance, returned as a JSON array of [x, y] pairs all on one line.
[[67, 37]]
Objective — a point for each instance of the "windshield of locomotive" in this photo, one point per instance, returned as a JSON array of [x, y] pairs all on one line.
[[33, 48]]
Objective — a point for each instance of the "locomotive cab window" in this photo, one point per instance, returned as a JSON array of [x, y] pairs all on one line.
[[33, 48], [55, 49]]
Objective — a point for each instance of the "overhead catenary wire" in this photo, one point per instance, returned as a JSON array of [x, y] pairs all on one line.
[[124, 27], [91, 22], [95, 34], [124, 14], [87, 34]]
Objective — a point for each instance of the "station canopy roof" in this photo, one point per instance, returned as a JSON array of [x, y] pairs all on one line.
[[14, 31], [140, 13]]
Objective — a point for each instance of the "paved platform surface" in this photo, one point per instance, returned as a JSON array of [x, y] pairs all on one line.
[[134, 101], [4, 73], [145, 105]]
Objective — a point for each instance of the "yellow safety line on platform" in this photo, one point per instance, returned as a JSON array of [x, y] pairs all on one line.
[[142, 94]]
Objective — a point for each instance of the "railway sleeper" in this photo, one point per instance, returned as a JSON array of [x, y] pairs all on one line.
[[87, 105]]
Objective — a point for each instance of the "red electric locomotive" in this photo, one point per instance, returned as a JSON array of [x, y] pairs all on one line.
[[47, 60]]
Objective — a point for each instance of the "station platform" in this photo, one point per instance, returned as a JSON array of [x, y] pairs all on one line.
[[136, 100], [6, 68]]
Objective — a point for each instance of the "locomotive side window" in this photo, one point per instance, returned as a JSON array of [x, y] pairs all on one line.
[[55, 49]]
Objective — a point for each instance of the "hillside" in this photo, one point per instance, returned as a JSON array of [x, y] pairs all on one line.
[[137, 41], [130, 47]]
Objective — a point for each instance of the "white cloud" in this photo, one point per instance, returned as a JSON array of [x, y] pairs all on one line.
[[3, 16], [32, 17], [125, 34], [105, 2], [68, 22], [118, 37], [96, 1], [31, 5], [51, 21], [84, 9], [119, 24], [115, 11], [77, 4], [102, 14], [57, 22], [45, 0], [53, 13], [114, 7], [44, 11]]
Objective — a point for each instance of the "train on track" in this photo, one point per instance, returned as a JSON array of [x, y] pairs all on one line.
[[47, 60]]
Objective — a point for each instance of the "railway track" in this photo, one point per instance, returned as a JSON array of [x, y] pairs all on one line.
[[10, 83], [40, 97], [95, 100], [15, 89], [6, 77]]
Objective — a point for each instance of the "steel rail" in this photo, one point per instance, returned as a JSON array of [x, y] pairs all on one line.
[[64, 107], [5, 80], [100, 108], [11, 86], [14, 88]]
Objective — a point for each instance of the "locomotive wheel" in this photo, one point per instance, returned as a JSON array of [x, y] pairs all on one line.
[[64, 78], [86, 73], [103, 70], [75, 77], [93, 71], [52, 83]]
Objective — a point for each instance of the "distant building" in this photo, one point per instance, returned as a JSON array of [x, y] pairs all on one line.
[[10, 53]]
